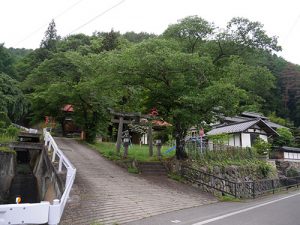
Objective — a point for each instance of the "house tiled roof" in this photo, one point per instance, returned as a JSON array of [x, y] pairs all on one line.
[[253, 115], [232, 128], [246, 116], [240, 127], [236, 119], [289, 149], [274, 125]]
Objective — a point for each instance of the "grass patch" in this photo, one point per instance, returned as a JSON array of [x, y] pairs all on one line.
[[227, 198], [6, 150], [246, 159], [6, 139], [176, 177], [135, 152], [133, 170]]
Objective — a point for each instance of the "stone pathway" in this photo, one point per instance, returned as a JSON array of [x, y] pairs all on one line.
[[104, 193]]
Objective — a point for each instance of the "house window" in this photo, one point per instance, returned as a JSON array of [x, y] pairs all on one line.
[[253, 138]]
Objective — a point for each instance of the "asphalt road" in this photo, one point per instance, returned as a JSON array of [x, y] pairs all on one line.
[[283, 209]]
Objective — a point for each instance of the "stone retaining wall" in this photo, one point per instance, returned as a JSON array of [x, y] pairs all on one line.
[[284, 166], [7, 173], [232, 179]]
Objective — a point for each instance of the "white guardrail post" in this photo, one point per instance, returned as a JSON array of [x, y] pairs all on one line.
[[57, 208], [16, 214], [44, 212]]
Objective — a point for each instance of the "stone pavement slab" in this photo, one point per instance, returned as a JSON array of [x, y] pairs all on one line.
[[104, 193]]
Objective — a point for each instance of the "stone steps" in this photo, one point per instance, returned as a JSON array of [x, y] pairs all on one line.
[[153, 169]]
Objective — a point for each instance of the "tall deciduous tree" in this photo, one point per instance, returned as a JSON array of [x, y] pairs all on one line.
[[251, 34], [191, 31], [177, 84], [70, 78]]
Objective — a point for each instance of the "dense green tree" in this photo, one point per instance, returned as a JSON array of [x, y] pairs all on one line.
[[6, 61], [191, 31], [246, 39], [73, 42], [12, 100], [110, 39], [251, 34], [70, 78], [137, 37], [19, 53], [285, 138], [192, 73], [26, 65], [5, 121], [257, 81], [177, 84]]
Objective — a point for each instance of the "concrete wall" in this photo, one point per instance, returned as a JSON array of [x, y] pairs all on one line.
[[7, 173], [246, 141], [50, 183]]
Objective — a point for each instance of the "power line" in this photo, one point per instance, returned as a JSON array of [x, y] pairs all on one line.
[[96, 17], [41, 27]]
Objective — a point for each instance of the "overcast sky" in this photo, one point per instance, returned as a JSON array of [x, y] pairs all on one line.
[[23, 22]]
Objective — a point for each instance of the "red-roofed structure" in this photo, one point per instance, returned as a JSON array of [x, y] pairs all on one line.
[[68, 108]]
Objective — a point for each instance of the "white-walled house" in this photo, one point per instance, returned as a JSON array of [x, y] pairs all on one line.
[[244, 134]]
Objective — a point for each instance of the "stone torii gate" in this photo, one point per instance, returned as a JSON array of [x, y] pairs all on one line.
[[127, 118], [122, 118]]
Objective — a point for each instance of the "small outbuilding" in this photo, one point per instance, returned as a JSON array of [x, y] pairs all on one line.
[[287, 153]]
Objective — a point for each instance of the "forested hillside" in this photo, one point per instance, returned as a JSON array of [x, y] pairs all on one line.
[[190, 73]]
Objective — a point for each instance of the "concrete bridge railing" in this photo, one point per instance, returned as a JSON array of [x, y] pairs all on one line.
[[44, 212]]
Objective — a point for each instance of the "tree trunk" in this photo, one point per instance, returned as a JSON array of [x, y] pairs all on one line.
[[90, 127], [90, 136], [180, 134]]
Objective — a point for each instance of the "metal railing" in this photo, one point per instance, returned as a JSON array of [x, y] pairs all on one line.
[[44, 212], [246, 189]]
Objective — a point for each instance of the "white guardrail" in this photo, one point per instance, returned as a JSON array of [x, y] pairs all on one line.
[[44, 212], [29, 130]]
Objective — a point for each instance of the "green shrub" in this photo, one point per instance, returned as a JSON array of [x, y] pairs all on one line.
[[227, 198], [7, 150], [12, 131], [285, 138], [4, 119], [264, 169], [292, 172], [6, 139], [176, 177], [262, 147]]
